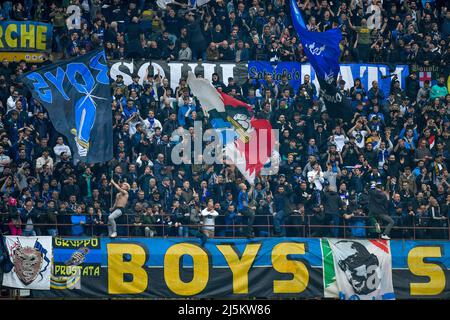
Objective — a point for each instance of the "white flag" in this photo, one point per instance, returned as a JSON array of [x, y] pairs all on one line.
[[357, 269], [32, 259]]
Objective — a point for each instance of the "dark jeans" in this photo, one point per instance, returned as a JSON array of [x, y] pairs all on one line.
[[278, 223], [362, 52], [333, 220], [248, 215]]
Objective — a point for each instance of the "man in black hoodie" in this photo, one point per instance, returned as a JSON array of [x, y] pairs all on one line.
[[378, 207], [332, 204]]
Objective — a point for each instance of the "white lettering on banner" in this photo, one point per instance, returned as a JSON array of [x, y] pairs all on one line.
[[115, 71], [367, 73], [74, 20], [374, 20], [362, 71], [209, 69], [175, 74], [142, 73], [347, 76], [382, 71], [372, 75], [193, 66], [227, 71], [398, 71]]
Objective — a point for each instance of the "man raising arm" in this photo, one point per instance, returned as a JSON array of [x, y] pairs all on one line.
[[119, 206]]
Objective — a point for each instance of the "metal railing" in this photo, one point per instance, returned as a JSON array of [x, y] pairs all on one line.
[[426, 228]]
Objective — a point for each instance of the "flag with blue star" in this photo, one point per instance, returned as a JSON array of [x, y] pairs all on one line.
[[76, 95]]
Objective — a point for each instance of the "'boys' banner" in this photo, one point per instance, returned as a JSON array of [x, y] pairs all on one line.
[[77, 96], [26, 36], [256, 70], [31, 258], [241, 268], [296, 71]]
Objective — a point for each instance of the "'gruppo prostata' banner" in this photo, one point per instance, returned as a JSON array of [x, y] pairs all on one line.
[[25, 36], [241, 268]]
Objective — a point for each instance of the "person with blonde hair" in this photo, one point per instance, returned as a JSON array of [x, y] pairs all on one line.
[[119, 206]]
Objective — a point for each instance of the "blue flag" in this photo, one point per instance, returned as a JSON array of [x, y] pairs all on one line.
[[76, 94], [323, 52], [321, 48]]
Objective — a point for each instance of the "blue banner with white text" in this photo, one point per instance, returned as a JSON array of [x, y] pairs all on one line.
[[296, 71]]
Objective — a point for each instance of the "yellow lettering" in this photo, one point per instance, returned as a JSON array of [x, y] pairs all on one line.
[[41, 39], [12, 43], [118, 267], [240, 267], [27, 36], [431, 270], [57, 269], [172, 269], [97, 271], [297, 268]]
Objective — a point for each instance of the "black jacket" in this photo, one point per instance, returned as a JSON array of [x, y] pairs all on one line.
[[332, 202], [378, 202]]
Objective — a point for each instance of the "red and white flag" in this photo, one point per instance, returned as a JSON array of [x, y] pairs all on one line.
[[255, 139]]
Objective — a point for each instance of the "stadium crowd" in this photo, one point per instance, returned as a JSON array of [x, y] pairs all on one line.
[[389, 165]]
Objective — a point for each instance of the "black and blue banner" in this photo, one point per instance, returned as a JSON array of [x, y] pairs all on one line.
[[76, 94], [227, 268]]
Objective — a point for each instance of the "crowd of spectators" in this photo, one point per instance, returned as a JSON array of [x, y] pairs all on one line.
[[397, 143]]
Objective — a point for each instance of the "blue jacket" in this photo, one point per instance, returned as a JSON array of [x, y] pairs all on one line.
[[182, 111], [77, 228]]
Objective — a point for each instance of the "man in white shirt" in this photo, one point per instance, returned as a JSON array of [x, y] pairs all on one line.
[[11, 102], [151, 123], [59, 148], [209, 215], [45, 159], [360, 131], [315, 177]]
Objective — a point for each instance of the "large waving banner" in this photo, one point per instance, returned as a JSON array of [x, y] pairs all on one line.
[[76, 94], [31, 257], [357, 269], [25, 36], [252, 141], [241, 268], [256, 70]]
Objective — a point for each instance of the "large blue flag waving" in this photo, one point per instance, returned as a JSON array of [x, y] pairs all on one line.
[[323, 52], [76, 94]]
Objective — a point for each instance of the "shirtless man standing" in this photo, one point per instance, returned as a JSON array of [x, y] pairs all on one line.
[[119, 207]]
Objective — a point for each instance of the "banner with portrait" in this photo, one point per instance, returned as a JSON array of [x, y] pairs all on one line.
[[357, 269], [31, 258]]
